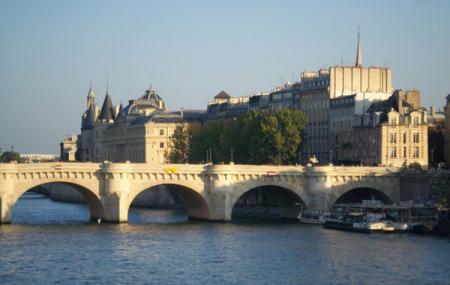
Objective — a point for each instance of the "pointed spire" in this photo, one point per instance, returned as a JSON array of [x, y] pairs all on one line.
[[358, 62], [91, 96], [107, 84]]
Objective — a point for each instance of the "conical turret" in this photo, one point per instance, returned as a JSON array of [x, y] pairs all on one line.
[[107, 112]]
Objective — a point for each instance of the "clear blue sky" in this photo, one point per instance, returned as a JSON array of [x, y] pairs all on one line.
[[190, 50]]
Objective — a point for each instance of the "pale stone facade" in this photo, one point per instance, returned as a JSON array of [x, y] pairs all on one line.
[[394, 132], [335, 100], [140, 132], [68, 148]]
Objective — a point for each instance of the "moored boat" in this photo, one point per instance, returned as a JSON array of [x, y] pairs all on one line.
[[312, 217]]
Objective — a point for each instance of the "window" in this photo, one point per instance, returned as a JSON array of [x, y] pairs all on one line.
[[161, 132], [416, 120], [393, 121], [405, 152], [416, 152], [404, 137], [394, 152], [161, 145], [416, 137], [393, 137]]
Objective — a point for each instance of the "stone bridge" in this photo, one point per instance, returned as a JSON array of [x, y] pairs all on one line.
[[208, 191]]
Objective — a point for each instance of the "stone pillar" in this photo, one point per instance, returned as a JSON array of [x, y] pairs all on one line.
[[114, 189], [219, 198], [6, 198], [319, 184]]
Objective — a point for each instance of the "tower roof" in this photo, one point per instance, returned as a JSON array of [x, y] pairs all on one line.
[[222, 95], [91, 92], [107, 112]]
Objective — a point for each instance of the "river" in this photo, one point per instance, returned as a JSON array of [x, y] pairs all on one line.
[[51, 243]]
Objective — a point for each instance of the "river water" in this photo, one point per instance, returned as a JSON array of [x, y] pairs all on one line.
[[51, 243]]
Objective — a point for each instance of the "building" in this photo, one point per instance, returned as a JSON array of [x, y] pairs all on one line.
[[447, 131], [224, 106], [394, 132], [314, 101], [334, 100], [436, 135], [138, 132], [68, 148], [284, 97]]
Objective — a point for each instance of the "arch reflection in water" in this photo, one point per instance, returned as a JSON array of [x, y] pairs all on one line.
[[37, 206], [267, 203], [166, 203]]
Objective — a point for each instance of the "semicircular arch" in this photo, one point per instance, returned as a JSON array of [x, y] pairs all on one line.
[[193, 196], [89, 191], [387, 195]]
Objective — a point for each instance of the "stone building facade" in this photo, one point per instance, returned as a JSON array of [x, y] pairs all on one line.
[[335, 100], [139, 132], [394, 132]]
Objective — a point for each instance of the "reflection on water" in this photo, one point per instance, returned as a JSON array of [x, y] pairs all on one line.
[[186, 252]]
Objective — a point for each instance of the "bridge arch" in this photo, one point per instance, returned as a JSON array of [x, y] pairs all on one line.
[[193, 198], [357, 193], [291, 199], [89, 192]]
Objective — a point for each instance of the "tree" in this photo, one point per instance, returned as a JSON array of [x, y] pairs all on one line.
[[9, 156], [179, 145], [255, 137]]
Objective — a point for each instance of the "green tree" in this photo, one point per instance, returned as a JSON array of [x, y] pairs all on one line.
[[9, 156], [255, 137], [179, 145]]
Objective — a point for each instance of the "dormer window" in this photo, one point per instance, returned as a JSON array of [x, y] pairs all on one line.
[[416, 120]]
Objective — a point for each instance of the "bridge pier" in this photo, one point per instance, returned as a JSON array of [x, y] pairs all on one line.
[[116, 208], [5, 210]]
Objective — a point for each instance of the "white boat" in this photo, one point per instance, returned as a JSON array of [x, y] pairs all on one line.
[[312, 217], [388, 227]]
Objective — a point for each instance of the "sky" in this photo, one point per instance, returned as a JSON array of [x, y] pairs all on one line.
[[191, 50]]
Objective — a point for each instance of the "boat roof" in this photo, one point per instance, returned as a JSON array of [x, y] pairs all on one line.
[[382, 206]]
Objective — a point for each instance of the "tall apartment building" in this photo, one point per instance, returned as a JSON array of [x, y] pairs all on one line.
[[335, 100], [394, 132]]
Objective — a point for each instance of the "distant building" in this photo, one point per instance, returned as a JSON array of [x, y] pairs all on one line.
[[37, 157], [138, 132], [224, 106], [436, 135], [68, 148], [447, 131], [334, 100], [260, 101], [284, 97], [394, 132]]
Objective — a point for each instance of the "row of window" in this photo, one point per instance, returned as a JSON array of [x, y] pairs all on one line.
[[393, 137], [416, 152]]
